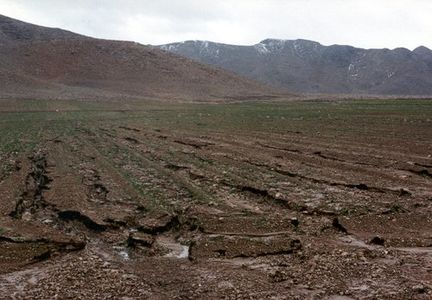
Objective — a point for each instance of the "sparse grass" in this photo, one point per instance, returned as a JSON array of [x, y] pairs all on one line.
[[396, 208], [31, 123], [233, 174]]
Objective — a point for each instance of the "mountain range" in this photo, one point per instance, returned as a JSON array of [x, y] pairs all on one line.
[[41, 62], [304, 66]]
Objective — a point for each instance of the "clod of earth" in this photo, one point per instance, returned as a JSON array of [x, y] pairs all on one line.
[[137, 239], [71, 215], [132, 140], [377, 241], [159, 225], [295, 222], [19, 251]]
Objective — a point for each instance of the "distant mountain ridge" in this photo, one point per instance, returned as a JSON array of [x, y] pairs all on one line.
[[41, 62], [305, 66]]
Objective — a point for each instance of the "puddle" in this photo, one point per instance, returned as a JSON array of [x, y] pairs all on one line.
[[176, 249], [122, 252], [124, 255], [184, 253]]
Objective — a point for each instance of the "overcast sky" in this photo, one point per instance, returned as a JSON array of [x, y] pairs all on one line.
[[362, 23]]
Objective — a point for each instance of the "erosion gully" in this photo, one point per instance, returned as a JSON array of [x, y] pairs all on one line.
[[124, 208]]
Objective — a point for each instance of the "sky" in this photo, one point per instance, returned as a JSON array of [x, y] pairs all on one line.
[[360, 23]]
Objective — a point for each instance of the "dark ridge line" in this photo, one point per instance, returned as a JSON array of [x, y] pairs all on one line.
[[129, 128], [132, 140], [423, 165], [176, 167], [319, 154], [360, 186], [279, 148], [242, 234], [196, 145], [422, 173]]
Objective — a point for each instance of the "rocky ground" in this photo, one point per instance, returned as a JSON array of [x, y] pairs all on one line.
[[310, 200]]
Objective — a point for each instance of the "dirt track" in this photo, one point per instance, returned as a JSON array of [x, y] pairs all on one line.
[[292, 201]]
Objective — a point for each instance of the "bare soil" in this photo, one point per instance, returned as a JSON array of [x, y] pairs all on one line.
[[298, 200]]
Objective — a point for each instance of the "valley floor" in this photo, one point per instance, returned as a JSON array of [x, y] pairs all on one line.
[[293, 200]]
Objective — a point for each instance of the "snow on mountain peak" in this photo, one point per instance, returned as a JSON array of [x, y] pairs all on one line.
[[270, 45]]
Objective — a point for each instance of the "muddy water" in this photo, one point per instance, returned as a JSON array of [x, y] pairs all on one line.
[[176, 250]]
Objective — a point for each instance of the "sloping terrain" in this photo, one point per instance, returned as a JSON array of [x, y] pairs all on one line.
[[296, 200], [44, 62], [309, 67]]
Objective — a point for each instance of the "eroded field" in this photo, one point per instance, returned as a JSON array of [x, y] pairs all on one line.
[[286, 200]]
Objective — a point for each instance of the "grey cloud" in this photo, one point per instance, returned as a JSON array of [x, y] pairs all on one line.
[[364, 23]]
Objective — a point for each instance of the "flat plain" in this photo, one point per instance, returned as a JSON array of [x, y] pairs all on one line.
[[280, 200]]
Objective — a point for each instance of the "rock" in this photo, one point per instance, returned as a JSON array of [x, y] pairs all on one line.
[[377, 241], [137, 239], [420, 289], [338, 226], [295, 222], [159, 225]]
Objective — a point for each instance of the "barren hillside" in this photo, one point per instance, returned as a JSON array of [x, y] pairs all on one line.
[[44, 62]]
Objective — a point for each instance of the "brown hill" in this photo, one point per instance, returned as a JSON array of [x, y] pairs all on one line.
[[45, 62]]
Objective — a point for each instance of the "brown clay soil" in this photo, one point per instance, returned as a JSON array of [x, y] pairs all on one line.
[[296, 200]]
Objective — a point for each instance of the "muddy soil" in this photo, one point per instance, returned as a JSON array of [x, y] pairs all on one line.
[[133, 209]]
